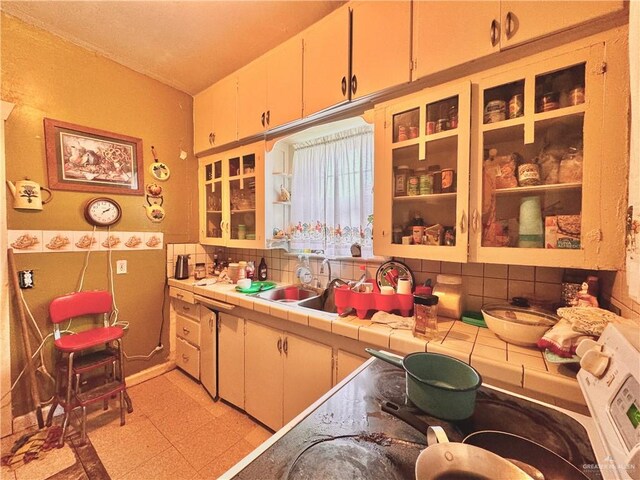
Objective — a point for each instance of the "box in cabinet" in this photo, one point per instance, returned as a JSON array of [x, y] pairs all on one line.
[[569, 227], [551, 231]]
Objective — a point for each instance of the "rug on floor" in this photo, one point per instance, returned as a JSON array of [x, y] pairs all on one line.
[[31, 446]]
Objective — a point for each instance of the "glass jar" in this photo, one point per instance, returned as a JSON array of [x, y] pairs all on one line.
[[449, 289], [200, 271], [425, 314], [401, 180], [425, 181], [413, 185], [242, 232]]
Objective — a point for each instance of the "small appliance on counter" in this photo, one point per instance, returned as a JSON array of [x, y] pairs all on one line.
[[182, 267]]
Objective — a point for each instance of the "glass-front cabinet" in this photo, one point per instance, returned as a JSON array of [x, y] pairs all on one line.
[[538, 164], [230, 183], [422, 176]]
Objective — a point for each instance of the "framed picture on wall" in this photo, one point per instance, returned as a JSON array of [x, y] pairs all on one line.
[[89, 160]]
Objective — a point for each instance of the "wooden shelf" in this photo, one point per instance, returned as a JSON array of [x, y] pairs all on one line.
[[560, 112], [214, 211], [440, 135], [430, 197], [244, 210], [556, 187], [510, 122]]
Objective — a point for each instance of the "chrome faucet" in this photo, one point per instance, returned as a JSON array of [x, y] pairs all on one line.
[[328, 264]]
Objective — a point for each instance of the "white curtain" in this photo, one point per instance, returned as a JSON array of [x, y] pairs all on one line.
[[633, 226], [331, 194]]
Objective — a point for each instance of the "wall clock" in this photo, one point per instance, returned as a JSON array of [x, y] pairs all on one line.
[[102, 211]]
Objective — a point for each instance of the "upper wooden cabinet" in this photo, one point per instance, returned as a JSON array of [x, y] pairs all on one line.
[[270, 89], [447, 34], [522, 21], [381, 46], [326, 62], [215, 115]]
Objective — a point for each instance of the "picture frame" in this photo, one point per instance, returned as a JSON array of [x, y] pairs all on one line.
[[87, 159]]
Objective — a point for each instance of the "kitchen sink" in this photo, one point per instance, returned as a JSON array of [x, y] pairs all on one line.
[[319, 303], [290, 294]]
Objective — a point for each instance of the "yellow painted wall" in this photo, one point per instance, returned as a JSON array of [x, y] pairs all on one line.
[[46, 76]]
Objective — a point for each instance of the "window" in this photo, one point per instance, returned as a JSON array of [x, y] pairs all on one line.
[[331, 193]]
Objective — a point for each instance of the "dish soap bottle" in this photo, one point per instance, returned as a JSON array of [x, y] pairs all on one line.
[[262, 270]]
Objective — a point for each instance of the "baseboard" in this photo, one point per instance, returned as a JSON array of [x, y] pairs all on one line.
[[28, 420]]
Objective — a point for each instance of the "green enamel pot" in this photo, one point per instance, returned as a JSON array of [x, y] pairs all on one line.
[[439, 385]]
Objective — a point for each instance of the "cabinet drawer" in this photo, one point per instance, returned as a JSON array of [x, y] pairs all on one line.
[[182, 295], [188, 358], [188, 329], [187, 309]]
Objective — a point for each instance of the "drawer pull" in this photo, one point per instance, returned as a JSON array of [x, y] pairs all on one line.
[[494, 33], [186, 331], [179, 295], [285, 346], [186, 309], [185, 357], [280, 345]]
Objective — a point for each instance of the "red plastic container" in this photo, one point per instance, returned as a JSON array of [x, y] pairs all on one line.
[[363, 303]]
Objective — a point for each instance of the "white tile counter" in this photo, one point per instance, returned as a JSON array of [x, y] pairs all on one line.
[[519, 369]]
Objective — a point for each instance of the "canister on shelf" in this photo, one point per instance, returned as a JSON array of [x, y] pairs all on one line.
[[516, 106], [413, 185], [550, 101], [447, 180], [417, 234], [528, 172], [413, 132], [401, 178], [576, 96], [495, 111], [397, 235], [425, 183], [453, 116], [442, 124], [242, 232], [425, 313], [402, 133]]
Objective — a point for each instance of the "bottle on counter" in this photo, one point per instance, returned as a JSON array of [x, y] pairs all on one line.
[[425, 313], [251, 270], [262, 270]]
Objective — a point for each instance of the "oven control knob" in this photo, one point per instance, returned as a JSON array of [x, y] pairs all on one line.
[[595, 362]]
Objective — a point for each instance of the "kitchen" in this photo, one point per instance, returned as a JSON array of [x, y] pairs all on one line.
[[46, 77]]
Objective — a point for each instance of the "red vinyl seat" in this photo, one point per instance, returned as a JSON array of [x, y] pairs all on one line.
[[105, 345]]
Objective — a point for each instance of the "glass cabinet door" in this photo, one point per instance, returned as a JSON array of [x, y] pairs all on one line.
[[426, 164], [242, 197], [534, 155], [213, 194]]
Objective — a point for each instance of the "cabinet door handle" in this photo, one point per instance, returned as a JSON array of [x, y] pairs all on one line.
[[262, 119], [213, 138], [268, 117], [509, 27], [344, 85], [354, 84], [474, 220], [280, 345], [285, 346], [463, 222], [494, 33], [210, 138], [185, 357]]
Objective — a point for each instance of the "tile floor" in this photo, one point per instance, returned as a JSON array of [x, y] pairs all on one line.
[[175, 432]]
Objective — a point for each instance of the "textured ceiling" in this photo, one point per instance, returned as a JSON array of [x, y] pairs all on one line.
[[186, 44]]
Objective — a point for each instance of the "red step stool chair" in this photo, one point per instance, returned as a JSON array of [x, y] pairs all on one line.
[[86, 351]]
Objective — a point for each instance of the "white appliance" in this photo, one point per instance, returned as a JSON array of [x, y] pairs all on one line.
[[611, 386]]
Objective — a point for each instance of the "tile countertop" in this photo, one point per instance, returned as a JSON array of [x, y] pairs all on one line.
[[522, 370]]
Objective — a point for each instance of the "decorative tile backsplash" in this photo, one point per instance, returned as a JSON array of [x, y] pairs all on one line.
[[483, 283], [45, 241]]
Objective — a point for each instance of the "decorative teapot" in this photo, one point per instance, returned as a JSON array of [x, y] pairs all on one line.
[[27, 194]]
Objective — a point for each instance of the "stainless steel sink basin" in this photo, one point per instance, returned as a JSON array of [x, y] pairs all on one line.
[[319, 303], [290, 294]]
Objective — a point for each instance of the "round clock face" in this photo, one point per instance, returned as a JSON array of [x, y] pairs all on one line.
[[102, 212]]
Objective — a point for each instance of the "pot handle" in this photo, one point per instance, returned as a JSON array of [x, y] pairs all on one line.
[[434, 434], [389, 358]]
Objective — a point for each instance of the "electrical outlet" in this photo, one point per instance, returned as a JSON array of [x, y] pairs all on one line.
[[121, 267]]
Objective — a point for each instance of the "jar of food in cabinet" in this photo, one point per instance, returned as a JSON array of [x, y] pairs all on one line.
[[448, 288], [447, 180], [401, 179], [413, 185]]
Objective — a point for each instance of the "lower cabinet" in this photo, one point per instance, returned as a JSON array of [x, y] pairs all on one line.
[[284, 373], [208, 350], [346, 363], [231, 371]]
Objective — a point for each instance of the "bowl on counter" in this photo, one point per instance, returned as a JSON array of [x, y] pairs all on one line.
[[518, 325]]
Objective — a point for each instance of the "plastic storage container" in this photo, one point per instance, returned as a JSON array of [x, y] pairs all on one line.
[[448, 289]]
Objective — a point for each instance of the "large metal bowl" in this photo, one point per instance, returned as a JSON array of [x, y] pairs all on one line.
[[517, 325]]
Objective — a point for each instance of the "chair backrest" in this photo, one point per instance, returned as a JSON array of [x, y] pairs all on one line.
[[76, 304]]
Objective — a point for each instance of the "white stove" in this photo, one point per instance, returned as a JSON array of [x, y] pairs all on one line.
[[611, 388]]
